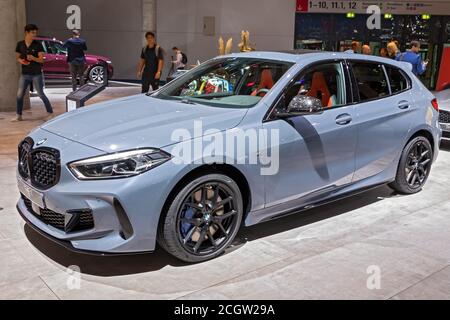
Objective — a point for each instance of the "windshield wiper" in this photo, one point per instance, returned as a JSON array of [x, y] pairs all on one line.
[[187, 101]]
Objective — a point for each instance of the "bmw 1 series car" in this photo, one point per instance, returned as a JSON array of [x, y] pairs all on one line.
[[238, 140]]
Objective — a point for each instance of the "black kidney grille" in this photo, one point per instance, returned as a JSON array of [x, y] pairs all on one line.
[[444, 116], [44, 168], [24, 152]]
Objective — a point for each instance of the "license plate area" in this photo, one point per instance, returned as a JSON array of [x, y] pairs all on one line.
[[36, 197], [445, 126]]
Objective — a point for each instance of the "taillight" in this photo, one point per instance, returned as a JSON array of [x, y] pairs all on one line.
[[435, 104]]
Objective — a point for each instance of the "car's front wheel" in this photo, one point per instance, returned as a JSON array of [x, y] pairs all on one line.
[[203, 219], [414, 167]]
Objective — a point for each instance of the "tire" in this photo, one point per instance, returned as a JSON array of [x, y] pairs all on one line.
[[96, 74], [414, 167], [202, 220]]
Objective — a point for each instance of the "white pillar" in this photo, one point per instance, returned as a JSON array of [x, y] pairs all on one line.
[[12, 22]]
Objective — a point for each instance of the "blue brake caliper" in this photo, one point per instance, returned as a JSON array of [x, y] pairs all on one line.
[[186, 227]]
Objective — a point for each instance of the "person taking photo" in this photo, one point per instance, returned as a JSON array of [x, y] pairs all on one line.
[[76, 47]]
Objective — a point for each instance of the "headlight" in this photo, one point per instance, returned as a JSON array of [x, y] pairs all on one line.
[[109, 62], [119, 165]]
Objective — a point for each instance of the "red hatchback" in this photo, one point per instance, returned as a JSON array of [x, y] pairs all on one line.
[[56, 66]]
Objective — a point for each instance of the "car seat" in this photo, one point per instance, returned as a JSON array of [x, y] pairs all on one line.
[[266, 81], [319, 89]]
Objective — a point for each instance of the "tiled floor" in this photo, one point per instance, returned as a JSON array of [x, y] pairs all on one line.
[[331, 252]]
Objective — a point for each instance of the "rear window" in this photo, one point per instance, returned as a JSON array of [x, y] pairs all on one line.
[[371, 80], [397, 79]]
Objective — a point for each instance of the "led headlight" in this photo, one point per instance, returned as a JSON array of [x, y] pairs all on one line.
[[119, 165]]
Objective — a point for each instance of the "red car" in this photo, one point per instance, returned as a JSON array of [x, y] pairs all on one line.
[[56, 66]]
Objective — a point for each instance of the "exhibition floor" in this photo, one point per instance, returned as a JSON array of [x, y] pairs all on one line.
[[324, 253]]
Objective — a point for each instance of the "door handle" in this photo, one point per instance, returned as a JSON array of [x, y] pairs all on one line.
[[344, 119], [403, 105]]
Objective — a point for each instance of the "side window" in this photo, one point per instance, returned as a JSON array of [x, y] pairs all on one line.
[[50, 48], [55, 47], [325, 82], [371, 80], [397, 79]]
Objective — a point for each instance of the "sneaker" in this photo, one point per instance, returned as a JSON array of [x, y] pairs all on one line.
[[17, 118]]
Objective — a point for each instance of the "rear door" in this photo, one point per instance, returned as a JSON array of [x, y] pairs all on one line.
[[384, 115]]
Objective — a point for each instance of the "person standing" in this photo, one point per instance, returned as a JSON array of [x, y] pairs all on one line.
[[384, 53], [30, 54], [180, 59], [356, 47], [367, 50], [393, 51], [76, 47], [150, 64], [413, 56]]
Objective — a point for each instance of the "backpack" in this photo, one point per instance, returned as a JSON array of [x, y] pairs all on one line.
[[184, 60]]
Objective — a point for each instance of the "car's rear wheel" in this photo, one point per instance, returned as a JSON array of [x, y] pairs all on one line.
[[203, 219], [97, 74], [414, 167]]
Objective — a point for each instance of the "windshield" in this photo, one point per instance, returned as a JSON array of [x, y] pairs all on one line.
[[229, 82]]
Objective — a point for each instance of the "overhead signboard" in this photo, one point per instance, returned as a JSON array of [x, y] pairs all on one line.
[[392, 7]]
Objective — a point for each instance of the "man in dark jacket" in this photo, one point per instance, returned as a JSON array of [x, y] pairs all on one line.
[[76, 58]]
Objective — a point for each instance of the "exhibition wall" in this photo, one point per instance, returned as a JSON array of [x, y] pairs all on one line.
[[270, 23], [111, 28]]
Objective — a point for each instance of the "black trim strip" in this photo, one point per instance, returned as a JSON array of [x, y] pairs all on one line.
[[67, 245]]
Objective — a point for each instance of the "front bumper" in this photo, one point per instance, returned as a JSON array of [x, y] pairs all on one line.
[[444, 123], [126, 212], [445, 130]]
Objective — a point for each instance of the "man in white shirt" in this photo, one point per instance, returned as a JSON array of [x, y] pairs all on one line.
[[178, 62]]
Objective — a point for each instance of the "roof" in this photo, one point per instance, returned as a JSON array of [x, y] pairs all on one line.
[[303, 55]]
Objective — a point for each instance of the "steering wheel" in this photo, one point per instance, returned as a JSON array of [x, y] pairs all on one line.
[[265, 91]]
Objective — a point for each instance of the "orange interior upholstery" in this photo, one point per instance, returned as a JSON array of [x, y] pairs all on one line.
[[266, 81], [320, 85]]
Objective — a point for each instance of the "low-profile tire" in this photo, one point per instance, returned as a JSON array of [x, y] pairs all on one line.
[[203, 219], [414, 167]]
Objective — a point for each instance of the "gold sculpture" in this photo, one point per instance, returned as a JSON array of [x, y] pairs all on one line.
[[225, 49], [245, 45]]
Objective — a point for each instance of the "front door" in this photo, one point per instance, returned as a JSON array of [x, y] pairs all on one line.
[[316, 152], [56, 65]]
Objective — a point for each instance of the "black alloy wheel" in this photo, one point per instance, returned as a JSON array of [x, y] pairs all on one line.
[[203, 219], [415, 166]]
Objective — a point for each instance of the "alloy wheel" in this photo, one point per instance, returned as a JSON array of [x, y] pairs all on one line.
[[207, 218], [97, 74], [418, 165]]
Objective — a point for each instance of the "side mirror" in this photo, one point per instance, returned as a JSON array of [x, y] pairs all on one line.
[[302, 106]]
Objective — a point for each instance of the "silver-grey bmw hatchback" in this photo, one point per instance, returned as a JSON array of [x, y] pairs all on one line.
[[240, 139]]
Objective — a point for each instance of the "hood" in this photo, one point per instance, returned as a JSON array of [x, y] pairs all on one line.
[[94, 57], [140, 121], [443, 98]]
